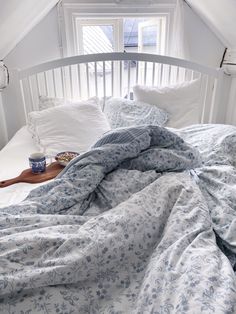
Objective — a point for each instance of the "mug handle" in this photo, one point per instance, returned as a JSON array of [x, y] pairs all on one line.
[[49, 159]]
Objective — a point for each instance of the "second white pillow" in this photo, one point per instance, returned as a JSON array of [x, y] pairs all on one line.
[[181, 101]]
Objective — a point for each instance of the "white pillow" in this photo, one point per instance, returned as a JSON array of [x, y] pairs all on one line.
[[122, 112], [181, 101], [73, 127]]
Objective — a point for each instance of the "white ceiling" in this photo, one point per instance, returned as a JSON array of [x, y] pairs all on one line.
[[17, 18], [220, 16]]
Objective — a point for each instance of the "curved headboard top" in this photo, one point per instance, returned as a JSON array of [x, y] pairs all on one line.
[[118, 56]]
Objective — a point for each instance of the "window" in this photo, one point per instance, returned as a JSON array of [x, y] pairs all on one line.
[[120, 34], [115, 25], [112, 26]]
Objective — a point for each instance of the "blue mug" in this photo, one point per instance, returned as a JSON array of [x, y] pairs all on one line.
[[37, 162]]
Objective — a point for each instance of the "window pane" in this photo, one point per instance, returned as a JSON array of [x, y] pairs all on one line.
[[141, 34], [131, 33], [149, 38], [98, 39]]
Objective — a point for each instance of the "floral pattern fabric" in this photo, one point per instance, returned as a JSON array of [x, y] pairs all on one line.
[[124, 229], [122, 112]]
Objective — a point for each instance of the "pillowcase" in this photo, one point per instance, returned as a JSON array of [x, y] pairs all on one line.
[[72, 127], [46, 102], [181, 101], [124, 113]]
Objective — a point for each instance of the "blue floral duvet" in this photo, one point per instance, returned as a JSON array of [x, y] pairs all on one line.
[[128, 227]]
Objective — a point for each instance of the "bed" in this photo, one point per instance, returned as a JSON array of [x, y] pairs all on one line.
[[144, 220], [103, 75]]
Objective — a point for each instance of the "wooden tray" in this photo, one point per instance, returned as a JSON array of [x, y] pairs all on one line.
[[28, 177]]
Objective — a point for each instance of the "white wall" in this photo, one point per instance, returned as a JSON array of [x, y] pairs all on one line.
[[40, 45], [204, 46], [231, 106], [18, 18], [220, 16], [3, 135]]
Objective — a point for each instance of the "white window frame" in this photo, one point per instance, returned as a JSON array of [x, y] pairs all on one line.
[[89, 22], [72, 10], [160, 23]]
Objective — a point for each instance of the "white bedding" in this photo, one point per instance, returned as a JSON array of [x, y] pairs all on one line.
[[13, 160]]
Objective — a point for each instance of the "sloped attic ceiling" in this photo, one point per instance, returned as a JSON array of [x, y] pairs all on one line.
[[220, 16], [17, 18]]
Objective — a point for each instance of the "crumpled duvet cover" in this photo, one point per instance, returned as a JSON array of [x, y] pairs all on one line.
[[128, 227]]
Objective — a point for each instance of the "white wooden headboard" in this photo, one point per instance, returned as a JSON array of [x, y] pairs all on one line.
[[114, 74]]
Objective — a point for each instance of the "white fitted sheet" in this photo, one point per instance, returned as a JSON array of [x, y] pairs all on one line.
[[13, 160]]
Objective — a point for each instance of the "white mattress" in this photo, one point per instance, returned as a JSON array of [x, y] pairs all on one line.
[[13, 160]]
